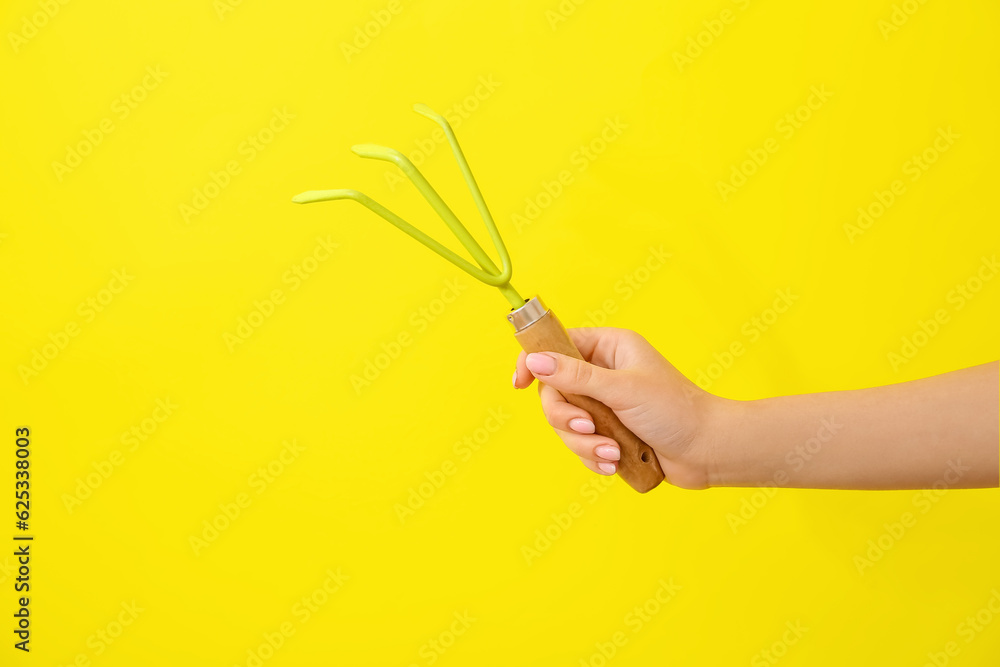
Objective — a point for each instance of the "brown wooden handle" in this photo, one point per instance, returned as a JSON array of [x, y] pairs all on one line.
[[638, 465]]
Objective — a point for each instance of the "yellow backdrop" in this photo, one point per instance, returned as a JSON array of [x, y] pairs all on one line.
[[264, 434]]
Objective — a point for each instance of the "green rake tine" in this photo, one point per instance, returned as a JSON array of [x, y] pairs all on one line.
[[376, 152], [470, 181], [487, 271], [401, 224]]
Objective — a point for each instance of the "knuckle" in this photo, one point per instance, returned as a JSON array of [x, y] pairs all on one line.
[[631, 336], [581, 374]]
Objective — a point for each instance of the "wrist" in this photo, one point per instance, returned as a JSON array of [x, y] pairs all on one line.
[[724, 424]]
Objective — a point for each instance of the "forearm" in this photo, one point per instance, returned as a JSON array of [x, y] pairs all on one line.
[[941, 430]]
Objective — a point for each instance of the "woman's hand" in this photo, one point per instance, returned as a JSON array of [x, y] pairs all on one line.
[[936, 432], [651, 397]]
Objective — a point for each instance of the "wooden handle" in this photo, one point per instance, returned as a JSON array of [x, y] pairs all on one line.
[[638, 465]]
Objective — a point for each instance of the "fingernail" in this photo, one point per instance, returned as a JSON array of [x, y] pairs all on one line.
[[608, 468], [609, 452], [581, 425], [513, 380], [540, 364]]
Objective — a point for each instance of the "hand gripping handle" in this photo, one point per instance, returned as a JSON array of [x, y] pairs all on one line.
[[537, 329]]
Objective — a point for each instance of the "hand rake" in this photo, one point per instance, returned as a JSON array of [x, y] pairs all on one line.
[[536, 327]]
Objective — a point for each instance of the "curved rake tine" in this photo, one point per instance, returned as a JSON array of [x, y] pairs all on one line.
[[470, 181], [375, 152], [312, 196]]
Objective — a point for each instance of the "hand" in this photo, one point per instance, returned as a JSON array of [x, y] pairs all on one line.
[[651, 397]]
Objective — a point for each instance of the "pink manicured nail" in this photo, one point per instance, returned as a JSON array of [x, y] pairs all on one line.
[[608, 468], [513, 380], [540, 364], [581, 425], [609, 452]]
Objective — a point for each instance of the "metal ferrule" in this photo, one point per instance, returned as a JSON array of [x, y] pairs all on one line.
[[523, 317]]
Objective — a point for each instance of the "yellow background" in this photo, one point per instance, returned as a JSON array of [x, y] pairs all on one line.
[[555, 85]]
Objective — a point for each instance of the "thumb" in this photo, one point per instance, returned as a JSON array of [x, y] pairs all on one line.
[[574, 376]]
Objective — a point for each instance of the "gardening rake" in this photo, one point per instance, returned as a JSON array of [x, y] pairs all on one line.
[[536, 328]]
